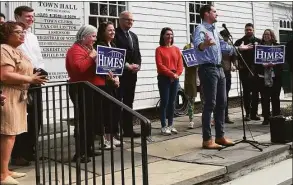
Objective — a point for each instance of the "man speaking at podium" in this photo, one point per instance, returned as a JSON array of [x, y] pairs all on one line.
[[208, 48]]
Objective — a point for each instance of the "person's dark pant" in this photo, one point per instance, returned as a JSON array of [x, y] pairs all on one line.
[[228, 87], [108, 108], [125, 94], [271, 94], [25, 143], [83, 102], [250, 93], [213, 83], [168, 90], [94, 118], [98, 113]]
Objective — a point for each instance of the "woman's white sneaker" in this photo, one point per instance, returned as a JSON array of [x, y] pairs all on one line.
[[107, 145], [166, 131], [116, 142], [191, 125], [173, 130], [17, 175]]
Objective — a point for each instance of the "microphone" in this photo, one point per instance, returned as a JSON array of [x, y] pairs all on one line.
[[224, 26]]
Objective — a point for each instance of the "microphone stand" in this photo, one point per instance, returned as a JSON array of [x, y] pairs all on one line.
[[244, 140]]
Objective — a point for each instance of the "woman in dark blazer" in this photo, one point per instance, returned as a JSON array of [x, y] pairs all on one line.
[[270, 80]]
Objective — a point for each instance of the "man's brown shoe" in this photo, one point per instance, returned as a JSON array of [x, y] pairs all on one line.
[[225, 142], [210, 144]]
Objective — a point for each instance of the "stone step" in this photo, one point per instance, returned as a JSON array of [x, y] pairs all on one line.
[[240, 160], [268, 159], [175, 160]]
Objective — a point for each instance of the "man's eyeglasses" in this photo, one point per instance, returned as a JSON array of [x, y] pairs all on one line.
[[129, 20]]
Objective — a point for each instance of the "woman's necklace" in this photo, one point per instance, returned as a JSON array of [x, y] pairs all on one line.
[[85, 47]]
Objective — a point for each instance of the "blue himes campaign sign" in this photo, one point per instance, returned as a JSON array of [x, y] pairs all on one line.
[[189, 57], [269, 54], [110, 59]]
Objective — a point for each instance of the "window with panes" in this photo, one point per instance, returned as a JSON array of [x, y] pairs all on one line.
[[194, 16], [286, 24], [101, 11]]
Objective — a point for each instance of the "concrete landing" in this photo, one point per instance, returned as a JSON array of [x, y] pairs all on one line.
[[174, 160]]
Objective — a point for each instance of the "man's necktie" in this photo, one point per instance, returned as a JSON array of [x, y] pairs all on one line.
[[129, 40]]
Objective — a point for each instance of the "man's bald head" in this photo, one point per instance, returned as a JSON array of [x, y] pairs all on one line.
[[125, 20], [124, 14]]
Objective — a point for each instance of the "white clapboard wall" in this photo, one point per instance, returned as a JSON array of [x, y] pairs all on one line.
[[150, 18]]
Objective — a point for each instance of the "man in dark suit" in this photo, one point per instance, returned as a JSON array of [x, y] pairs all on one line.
[[250, 91], [128, 40], [289, 60], [289, 55]]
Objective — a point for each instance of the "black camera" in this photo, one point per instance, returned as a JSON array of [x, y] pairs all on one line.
[[41, 71]]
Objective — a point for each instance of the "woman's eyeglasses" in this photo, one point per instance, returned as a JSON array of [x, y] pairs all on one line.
[[20, 32]]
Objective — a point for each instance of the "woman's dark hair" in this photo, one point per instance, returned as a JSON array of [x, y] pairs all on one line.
[[273, 36], [2, 15], [164, 30], [7, 28], [204, 9], [101, 37]]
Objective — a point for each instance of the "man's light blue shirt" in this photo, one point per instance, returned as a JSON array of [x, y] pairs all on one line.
[[212, 54]]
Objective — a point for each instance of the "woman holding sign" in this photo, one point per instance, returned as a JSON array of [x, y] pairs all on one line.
[[81, 66], [169, 67], [106, 34], [270, 80]]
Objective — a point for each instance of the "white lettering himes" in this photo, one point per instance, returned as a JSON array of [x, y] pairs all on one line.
[[32, 50]]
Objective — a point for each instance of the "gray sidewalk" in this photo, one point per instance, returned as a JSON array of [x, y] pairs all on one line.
[[179, 158]]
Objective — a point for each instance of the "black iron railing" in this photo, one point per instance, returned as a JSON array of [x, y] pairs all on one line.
[[66, 158]]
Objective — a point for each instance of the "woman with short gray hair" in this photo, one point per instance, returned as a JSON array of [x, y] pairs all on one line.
[[80, 65], [84, 32]]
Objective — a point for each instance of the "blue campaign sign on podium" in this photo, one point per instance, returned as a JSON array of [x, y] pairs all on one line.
[[189, 57], [110, 59], [269, 54]]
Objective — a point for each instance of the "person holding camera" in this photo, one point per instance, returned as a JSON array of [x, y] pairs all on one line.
[[16, 76], [2, 99], [23, 151]]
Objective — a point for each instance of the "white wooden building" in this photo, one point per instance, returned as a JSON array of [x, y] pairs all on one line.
[[56, 23]]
